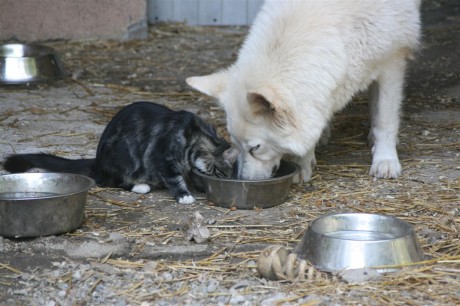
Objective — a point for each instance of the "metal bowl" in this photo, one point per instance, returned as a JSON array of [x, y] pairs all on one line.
[[40, 204], [26, 63], [343, 241], [247, 194]]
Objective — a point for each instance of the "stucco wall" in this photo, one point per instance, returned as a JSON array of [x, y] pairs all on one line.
[[39, 20]]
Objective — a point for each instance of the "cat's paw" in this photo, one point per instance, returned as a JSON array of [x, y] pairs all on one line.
[[141, 188], [186, 199]]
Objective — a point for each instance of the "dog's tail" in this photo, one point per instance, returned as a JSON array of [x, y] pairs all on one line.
[[18, 163]]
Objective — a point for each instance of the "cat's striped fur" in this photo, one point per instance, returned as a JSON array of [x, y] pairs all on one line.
[[145, 145]]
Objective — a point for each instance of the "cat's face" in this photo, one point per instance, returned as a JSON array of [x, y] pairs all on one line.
[[225, 164], [221, 162]]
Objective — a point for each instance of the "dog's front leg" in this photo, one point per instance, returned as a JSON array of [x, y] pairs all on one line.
[[385, 102], [306, 163]]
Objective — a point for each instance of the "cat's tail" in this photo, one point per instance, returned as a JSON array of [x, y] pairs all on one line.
[[18, 163]]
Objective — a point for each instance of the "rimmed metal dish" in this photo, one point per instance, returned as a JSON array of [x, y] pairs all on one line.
[[343, 241], [26, 63], [40, 204], [247, 194]]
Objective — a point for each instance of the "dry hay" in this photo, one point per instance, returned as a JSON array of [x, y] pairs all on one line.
[[431, 208]]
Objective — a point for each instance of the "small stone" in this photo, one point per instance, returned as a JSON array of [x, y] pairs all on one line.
[[358, 276], [62, 293], [273, 299], [150, 266], [196, 230], [106, 268], [241, 284], [76, 275], [237, 299], [167, 276], [115, 237], [213, 286]]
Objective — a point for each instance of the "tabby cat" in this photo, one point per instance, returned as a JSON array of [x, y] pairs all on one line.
[[144, 146]]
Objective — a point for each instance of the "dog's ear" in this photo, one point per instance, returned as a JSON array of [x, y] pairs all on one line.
[[260, 102], [265, 102], [212, 85]]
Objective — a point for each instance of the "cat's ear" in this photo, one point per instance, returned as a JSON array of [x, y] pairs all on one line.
[[230, 155], [212, 85], [268, 103]]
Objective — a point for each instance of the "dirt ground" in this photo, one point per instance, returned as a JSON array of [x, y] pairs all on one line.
[[132, 249]]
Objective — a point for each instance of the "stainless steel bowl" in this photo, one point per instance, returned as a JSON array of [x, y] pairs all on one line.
[[26, 63], [343, 241], [247, 194], [40, 204]]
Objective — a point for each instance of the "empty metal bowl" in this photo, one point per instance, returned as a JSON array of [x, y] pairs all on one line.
[[343, 241], [26, 63], [247, 194], [40, 204]]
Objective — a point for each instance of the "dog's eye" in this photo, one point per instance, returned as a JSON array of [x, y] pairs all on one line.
[[253, 149]]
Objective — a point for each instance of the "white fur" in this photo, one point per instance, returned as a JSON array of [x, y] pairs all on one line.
[[201, 165], [141, 188], [302, 62], [188, 199]]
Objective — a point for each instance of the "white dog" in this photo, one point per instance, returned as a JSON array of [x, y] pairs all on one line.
[[302, 61]]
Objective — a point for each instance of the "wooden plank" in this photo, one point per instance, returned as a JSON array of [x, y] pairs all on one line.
[[160, 10], [234, 12], [210, 12], [253, 8], [204, 12], [185, 11]]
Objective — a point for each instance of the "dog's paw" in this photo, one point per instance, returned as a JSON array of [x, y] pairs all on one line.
[[141, 188], [307, 164], [186, 199], [303, 176], [386, 168], [305, 172]]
